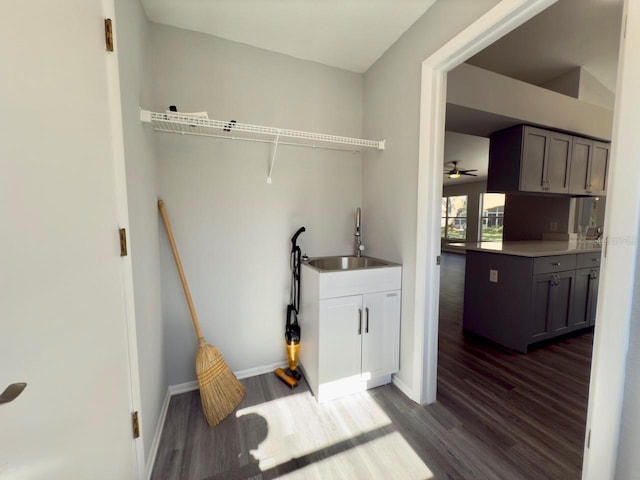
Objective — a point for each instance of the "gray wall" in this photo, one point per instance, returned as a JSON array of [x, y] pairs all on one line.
[[142, 190], [473, 190], [232, 228], [390, 184]]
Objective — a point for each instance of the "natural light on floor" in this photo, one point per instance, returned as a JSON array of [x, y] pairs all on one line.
[[350, 437]]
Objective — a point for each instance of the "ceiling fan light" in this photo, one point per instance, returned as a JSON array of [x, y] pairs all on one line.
[[454, 175]]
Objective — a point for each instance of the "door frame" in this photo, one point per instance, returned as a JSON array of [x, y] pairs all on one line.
[[615, 299], [497, 22], [122, 212]]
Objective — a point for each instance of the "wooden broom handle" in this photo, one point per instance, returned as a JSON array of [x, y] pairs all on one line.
[[183, 279]]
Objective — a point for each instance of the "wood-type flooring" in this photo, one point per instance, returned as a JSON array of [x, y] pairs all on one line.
[[499, 415]]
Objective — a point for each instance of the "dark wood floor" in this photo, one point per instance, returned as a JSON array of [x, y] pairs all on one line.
[[499, 415]]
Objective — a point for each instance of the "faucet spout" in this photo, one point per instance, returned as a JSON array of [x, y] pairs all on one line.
[[358, 247]]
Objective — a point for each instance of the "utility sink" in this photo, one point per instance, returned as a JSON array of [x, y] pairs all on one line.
[[334, 264]]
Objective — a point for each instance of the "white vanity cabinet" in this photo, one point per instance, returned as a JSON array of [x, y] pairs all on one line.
[[350, 329]]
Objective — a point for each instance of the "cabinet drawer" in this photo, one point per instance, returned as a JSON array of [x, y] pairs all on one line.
[[555, 263], [588, 260]]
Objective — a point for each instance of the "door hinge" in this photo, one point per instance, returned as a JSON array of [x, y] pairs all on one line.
[[108, 34], [123, 242], [136, 425], [438, 260], [589, 438]]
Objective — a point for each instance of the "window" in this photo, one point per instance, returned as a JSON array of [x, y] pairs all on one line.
[[492, 218], [454, 218]]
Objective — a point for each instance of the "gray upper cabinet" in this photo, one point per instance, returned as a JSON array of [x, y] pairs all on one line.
[[537, 160], [599, 168], [589, 162]]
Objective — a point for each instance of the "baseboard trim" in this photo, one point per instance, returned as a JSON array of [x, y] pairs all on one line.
[[183, 387], [403, 387], [240, 374], [153, 450], [253, 372]]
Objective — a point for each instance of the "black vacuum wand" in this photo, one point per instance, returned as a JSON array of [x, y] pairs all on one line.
[[290, 376]]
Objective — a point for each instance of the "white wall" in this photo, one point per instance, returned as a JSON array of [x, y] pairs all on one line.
[[622, 202], [478, 89], [579, 83], [132, 36], [232, 228], [392, 107]]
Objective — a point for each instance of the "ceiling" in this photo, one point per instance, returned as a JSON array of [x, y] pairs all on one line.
[[568, 34], [348, 34]]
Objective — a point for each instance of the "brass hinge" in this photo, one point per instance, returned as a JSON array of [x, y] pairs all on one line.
[[136, 425], [123, 242], [108, 34]]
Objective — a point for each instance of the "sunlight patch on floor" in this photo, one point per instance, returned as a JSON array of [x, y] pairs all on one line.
[[343, 439], [389, 457]]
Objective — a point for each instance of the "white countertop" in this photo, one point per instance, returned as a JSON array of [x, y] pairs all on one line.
[[534, 248]]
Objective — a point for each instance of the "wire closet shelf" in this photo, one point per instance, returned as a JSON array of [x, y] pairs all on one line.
[[195, 125]]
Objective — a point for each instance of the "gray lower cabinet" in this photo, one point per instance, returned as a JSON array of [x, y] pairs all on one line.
[[551, 296], [585, 298], [517, 301]]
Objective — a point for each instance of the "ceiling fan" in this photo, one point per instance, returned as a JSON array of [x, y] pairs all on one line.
[[455, 172]]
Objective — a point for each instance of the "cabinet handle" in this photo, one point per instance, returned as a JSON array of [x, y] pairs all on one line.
[[366, 328], [359, 321], [556, 264]]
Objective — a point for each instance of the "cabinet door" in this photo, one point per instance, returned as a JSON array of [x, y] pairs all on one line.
[[340, 342], [381, 334], [535, 150], [585, 297], [581, 157], [599, 165], [551, 305], [557, 163]]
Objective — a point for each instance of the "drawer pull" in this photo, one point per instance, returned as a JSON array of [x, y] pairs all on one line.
[[366, 328], [556, 264]]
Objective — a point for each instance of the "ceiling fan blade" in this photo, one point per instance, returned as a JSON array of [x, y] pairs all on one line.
[[470, 170], [464, 172]]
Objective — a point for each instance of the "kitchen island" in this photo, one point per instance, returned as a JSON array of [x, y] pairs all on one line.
[[520, 293]]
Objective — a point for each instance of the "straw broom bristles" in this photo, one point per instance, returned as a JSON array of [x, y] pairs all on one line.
[[220, 390]]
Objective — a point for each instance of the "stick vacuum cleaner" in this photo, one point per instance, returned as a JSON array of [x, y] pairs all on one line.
[[290, 376]]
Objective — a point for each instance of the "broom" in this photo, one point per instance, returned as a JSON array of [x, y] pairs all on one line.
[[220, 390]]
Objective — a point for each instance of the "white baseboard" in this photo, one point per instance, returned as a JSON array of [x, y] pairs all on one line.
[[252, 372], [183, 387], [403, 387], [153, 451]]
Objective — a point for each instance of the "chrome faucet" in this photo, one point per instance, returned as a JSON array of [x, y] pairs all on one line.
[[358, 241]]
